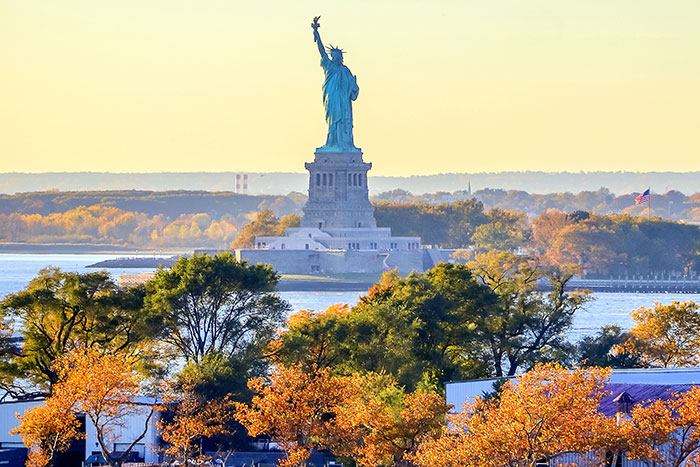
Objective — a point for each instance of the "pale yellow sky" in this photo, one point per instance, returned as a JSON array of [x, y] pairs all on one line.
[[445, 86]]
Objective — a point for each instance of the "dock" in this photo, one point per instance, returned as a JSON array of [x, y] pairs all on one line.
[[686, 285]]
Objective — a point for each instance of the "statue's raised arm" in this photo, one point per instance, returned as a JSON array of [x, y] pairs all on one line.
[[317, 38]]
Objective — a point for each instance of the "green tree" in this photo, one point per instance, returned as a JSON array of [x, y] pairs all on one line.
[[315, 339], [526, 325], [62, 311], [420, 329], [506, 230], [217, 306], [447, 224], [604, 349]]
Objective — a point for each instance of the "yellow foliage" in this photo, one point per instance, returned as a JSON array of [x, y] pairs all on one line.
[[667, 335], [545, 412]]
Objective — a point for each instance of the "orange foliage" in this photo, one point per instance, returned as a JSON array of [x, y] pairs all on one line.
[[345, 414], [546, 227], [667, 335], [48, 430], [389, 435], [192, 419], [302, 317], [299, 410], [664, 432], [104, 388], [108, 224], [546, 412]]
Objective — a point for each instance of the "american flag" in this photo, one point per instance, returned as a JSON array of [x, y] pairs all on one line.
[[643, 198]]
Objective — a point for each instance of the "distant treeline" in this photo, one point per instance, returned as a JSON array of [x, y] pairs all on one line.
[[602, 244], [134, 218], [166, 203], [670, 205], [604, 233]]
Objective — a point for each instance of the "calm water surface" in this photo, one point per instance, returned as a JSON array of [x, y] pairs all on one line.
[[16, 270]]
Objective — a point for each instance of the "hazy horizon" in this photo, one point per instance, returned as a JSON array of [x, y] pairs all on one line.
[[282, 183]]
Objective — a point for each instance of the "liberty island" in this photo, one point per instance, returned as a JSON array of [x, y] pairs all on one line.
[[338, 232]]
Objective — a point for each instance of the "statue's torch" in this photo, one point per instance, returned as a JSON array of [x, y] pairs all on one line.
[[316, 25]]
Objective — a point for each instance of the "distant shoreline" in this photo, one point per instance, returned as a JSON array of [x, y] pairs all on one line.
[[83, 249]]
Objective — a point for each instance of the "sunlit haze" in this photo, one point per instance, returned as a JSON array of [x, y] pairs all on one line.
[[450, 86]]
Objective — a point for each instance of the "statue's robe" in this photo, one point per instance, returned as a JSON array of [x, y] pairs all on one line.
[[339, 90]]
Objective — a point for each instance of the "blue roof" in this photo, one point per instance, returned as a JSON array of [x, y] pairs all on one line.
[[642, 394]]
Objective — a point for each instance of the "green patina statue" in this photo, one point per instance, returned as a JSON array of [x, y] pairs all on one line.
[[339, 90]]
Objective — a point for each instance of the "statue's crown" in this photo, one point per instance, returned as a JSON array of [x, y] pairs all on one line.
[[332, 48]]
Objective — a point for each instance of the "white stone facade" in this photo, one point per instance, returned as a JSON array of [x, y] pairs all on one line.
[[339, 227]]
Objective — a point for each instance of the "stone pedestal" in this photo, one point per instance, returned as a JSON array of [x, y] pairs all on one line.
[[338, 194]]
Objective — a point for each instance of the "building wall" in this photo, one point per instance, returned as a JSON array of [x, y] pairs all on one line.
[[8, 421], [335, 262], [133, 425]]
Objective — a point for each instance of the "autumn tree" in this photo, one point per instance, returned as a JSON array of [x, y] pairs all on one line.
[[62, 311], [217, 305], [591, 245], [664, 431], [189, 417], [264, 224], [546, 412], [105, 387], [215, 380], [368, 418], [389, 432], [48, 429], [300, 410], [546, 227], [288, 221], [525, 325], [665, 336]]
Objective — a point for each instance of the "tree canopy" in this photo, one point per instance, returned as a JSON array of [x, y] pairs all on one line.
[[62, 311], [526, 325], [217, 306]]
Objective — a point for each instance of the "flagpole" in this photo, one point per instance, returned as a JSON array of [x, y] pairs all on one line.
[[649, 203]]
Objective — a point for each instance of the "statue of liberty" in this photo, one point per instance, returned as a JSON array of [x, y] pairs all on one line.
[[339, 90]]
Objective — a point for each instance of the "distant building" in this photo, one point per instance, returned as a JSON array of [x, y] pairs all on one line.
[[133, 280], [338, 232]]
